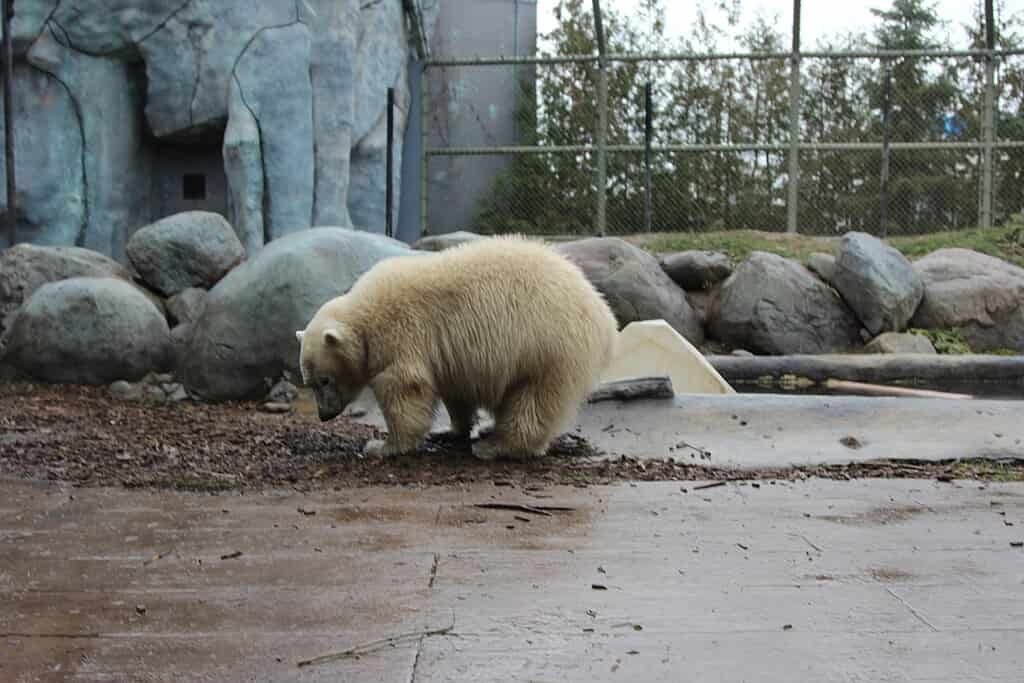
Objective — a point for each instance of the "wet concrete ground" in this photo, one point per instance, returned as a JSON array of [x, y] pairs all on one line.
[[751, 431], [869, 580]]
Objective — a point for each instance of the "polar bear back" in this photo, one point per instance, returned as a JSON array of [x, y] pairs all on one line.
[[484, 316]]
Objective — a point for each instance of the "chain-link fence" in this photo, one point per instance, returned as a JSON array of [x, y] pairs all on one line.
[[888, 142]]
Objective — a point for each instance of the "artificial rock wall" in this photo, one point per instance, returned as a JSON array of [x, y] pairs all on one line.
[[118, 104]]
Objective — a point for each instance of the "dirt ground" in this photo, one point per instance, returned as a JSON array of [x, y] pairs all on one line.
[[85, 436]]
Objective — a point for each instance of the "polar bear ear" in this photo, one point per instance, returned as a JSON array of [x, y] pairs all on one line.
[[332, 336], [298, 335]]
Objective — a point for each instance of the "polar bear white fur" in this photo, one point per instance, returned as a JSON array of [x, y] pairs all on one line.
[[502, 324]]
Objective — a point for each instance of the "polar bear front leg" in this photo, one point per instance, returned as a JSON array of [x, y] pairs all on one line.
[[408, 406]]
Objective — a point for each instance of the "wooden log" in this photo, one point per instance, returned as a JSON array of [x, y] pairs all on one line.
[[633, 389], [879, 368], [882, 390]]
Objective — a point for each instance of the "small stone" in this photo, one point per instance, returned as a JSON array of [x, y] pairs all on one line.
[[178, 395], [276, 407], [900, 342], [126, 391], [696, 269], [185, 307], [822, 265], [140, 609], [155, 393], [283, 392]]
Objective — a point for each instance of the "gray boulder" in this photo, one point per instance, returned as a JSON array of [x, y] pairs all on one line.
[[700, 300], [88, 331], [247, 330], [979, 295], [900, 342], [180, 336], [877, 281], [190, 249], [822, 265], [634, 284], [25, 268], [445, 241], [185, 307], [695, 270], [773, 305]]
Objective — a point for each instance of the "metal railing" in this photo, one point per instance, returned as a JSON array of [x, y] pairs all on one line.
[[886, 193]]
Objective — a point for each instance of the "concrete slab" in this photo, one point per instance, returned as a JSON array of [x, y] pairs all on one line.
[[811, 580], [769, 430]]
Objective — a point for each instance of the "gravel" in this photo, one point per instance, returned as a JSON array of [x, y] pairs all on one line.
[[85, 436]]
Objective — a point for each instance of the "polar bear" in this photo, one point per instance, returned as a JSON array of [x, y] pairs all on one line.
[[503, 324]]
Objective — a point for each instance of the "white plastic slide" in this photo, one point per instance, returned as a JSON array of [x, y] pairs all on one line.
[[651, 348]]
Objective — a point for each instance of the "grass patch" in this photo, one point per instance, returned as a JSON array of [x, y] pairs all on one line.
[[737, 244], [945, 341], [1005, 242]]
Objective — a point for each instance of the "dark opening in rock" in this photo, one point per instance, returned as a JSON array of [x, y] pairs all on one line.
[[193, 187]]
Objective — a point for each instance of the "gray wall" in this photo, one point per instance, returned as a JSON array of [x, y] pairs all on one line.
[[172, 162], [469, 106]]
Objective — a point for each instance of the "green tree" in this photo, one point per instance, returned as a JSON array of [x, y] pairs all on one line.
[[1009, 104], [725, 101], [926, 192]]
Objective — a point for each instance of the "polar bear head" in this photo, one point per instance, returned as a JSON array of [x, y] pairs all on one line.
[[332, 358]]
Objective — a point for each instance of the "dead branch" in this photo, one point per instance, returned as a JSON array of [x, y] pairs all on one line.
[[883, 390]]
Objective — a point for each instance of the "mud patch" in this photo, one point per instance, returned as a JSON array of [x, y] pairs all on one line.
[[512, 528], [889, 574], [355, 513], [878, 516]]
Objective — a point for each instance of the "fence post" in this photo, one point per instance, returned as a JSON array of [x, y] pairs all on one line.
[[648, 134], [988, 120], [794, 125], [424, 159], [6, 8], [389, 182], [883, 199], [602, 123]]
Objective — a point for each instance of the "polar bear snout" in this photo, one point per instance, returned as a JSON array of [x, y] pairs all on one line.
[[329, 403]]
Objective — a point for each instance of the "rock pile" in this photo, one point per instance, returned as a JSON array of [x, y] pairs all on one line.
[[189, 303], [72, 315]]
